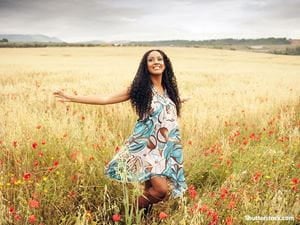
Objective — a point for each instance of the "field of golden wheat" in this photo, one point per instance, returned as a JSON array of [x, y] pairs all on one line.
[[240, 135]]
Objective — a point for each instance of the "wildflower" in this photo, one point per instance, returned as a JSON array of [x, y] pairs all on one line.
[[256, 176], [224, 193], [17, 217], [43, 142], [34, 145], [74, 178], [194, 208], [55, 163], [13, 180], [295, 180], [32, 219], [231, 204], [36, 163], [190, 142], [204, 208], [228, 162], [192, 192], [26, 176], [163, 215], [245, 142], [116, 217], [12, 210], [33, 203], [229, 220], [214, 217], [72, 194], [15, 143], [252, 136], [74, 155], [38, 126], [117, 149]]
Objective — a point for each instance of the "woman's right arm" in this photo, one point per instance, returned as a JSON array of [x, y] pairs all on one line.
[[121, 96]]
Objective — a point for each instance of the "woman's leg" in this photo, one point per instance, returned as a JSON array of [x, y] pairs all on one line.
[[143, 201], [159, 189], [155, 191]]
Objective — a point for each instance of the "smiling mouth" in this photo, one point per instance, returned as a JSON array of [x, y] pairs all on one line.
[[156, 67]]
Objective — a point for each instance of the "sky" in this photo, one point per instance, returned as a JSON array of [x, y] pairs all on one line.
[[140, 20]]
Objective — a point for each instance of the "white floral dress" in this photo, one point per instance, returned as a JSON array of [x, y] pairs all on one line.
[[153, 149]]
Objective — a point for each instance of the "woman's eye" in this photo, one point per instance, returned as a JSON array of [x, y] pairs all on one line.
[[158, 59]]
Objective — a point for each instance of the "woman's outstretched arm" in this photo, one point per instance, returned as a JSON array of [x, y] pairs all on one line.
[[94, 99]]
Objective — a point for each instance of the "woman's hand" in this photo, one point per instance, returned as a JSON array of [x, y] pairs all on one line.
[[121, 96], [62, 97]]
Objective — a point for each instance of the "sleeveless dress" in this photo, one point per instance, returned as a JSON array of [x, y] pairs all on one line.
[[153, 149]]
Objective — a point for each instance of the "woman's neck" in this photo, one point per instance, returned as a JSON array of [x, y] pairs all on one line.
[[156, 81]]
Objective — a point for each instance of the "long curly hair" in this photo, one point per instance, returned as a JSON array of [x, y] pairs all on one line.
[[140, 90]]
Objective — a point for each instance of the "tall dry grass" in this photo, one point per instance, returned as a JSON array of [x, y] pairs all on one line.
[[240, 135]]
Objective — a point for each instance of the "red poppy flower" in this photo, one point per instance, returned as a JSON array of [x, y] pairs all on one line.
[[55, 163], [15, 143], [295, 180], [33, 203], [229, 220], [17, 217], [256, 176], [163, 215], [12, 210], [223, 193], [192, 192], [231, 204], [116, 217], [117, 149], [204, 208], [34, 145], [32, 219], [26, 176]]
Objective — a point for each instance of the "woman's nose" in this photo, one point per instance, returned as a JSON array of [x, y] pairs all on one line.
[[156, 61]]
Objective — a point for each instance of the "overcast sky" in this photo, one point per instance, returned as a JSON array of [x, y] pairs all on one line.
[[111, 20]]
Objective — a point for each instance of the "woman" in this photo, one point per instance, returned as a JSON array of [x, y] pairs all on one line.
[[153, 153]]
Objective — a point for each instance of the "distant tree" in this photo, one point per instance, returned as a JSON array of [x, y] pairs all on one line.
[[4, 40]]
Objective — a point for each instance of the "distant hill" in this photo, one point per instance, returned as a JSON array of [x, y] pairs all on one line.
[[29, 38], [229, 41]]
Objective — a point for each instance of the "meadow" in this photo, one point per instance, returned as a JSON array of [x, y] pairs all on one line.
[[240, 135]]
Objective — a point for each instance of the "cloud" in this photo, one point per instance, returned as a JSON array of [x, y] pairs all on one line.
[[150, 20]]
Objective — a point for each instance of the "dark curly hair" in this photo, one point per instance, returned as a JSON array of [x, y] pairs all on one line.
[[140, 90]]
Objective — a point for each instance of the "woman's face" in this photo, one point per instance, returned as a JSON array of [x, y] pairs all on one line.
[[155, 63]]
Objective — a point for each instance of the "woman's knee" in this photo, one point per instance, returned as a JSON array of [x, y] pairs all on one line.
[[162, 192], [160, 186]]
